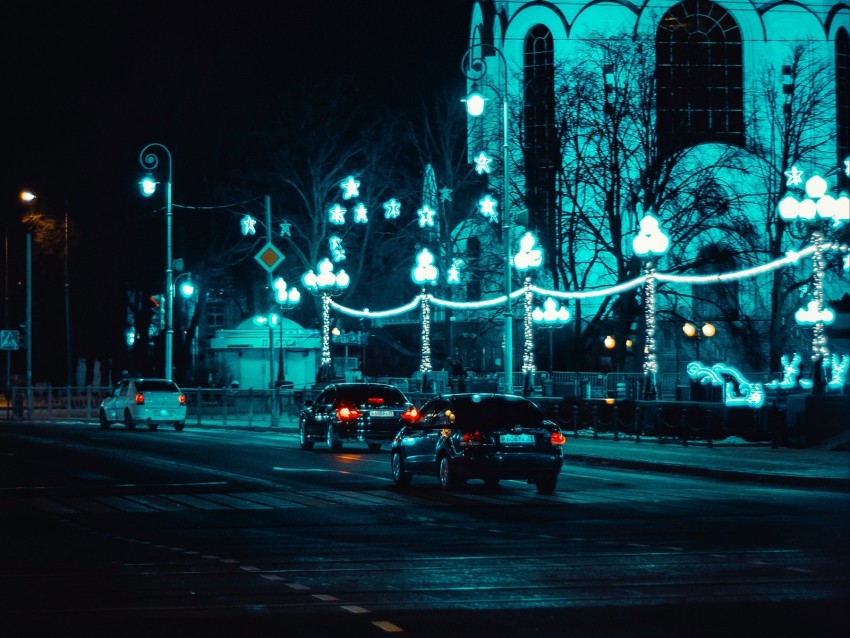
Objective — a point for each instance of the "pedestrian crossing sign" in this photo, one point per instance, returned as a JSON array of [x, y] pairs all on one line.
[[8, 339]]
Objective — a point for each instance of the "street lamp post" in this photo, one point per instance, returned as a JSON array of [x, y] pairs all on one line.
[[149, 159], [691, 332], [474, 67], [187, 291], [286, 298], [551, 316]]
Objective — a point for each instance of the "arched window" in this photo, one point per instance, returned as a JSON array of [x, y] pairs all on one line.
[[842, 92], [540, 139], [699, 75]]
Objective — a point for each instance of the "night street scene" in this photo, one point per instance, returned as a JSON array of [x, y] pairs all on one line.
[[448, 318]]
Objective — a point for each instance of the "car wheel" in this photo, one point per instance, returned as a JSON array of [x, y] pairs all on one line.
[[448, 479], [104, 422], [400, 477], [128, 420], [302, 434], [333, 441], [153, 426], [374, 447], [546, 483], [179, 425]]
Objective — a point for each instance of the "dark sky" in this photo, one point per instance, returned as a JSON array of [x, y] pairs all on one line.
[[88, 84]]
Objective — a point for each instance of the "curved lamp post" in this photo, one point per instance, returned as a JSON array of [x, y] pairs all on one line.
[[474, 68], [326, 284], [149, 159]]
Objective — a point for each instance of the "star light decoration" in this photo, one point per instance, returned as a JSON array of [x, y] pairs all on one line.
[[335, 246], [392, 209], [361, 214], [453, 276], [426, 216], [482, 163], [487, 207], [350, 188], [249, 225], [336, 214], [285, 228]]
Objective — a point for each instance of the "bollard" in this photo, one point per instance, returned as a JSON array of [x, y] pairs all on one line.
[[684, 429], [595, 421], [708, 428], [575, 420], [637, 424]]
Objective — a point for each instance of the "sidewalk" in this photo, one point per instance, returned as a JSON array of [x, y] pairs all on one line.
[[729, 459]]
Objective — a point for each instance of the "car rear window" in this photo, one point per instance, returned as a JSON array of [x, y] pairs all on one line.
[[157, 385], [493, 413], [372, 395]]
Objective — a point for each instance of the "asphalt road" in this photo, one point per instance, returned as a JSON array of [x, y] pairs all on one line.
[[236, 532]]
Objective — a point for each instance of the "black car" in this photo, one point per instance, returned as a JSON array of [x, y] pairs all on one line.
[[483, 436], [368, 412]]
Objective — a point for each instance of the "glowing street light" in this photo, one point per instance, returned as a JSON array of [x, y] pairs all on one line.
[[474, 68], [326, 283], [149, 159]]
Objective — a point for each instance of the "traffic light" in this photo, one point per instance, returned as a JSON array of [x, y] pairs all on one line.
[[157, 311]]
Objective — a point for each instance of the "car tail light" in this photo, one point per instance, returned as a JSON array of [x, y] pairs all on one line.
[[140, 398], [472, 439], [346, 413], [557, 438], [410, 414], [182, 399]]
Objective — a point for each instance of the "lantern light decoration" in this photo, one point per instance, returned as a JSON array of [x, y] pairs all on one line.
[[327, 284], [424, 273], [651, 241], [815, 205]]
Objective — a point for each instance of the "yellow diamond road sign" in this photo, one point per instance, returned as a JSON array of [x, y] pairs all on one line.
[[269, 257], [8, 339]]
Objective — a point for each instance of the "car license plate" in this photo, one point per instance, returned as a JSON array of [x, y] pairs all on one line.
[[382, 412], [515, 439]]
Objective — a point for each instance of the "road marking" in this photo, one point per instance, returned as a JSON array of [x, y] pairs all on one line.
[[297, 586], [387, 626], [355, 609], [325, 597]]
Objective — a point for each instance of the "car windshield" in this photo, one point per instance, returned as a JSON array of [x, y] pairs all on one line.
[[493, 413], [156, 385], [372, 396]]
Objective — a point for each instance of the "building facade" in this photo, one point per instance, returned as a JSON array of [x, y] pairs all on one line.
[[692, 112]]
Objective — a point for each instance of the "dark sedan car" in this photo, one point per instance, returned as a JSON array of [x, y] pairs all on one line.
[[483, 436], [371, 413]]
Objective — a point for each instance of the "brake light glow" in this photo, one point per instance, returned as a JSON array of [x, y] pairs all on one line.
[[410, 414], [375, 400], [472, 439], [182, 399], [140, 398], [557, 438], [346, 413]]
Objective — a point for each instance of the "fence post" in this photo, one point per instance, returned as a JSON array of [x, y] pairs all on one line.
[[708, 428], [659, 422], [684, 429], [616, 423], [637, 424]]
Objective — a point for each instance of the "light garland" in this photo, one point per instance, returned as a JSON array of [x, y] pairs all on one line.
[[326, 331], [650, 363], [528, 329], [425, 364]]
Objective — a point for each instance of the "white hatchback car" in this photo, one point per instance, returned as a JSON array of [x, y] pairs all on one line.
[[144, 401]]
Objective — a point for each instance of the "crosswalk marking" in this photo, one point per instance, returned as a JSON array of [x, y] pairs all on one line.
[[279, 500]]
